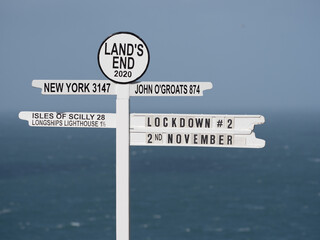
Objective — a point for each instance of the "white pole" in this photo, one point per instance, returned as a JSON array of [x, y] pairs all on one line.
[[122, 162]]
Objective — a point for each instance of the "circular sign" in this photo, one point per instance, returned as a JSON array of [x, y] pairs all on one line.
[[123, 57]]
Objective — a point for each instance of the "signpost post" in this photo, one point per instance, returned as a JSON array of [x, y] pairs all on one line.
[[123, 58]]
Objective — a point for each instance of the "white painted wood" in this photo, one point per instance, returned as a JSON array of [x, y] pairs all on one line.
[[122, 162], [169, 88], [75, 87], [69, 119]]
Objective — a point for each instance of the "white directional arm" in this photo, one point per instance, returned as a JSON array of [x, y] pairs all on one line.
[[237, 124], [178, 139], [69, 119]]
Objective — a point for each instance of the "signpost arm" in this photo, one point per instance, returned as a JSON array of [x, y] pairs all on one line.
[[122, 162]]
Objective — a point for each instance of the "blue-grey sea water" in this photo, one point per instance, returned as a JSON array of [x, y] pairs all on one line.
[[59, 183]]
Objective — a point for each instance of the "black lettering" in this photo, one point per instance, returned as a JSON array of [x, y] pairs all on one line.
[[221, 139], [190, 123], [185, 89], [140, 88], [52, 87], [199, 122], [212, 139], [114, 49], [174, 122], [177, 90], [123, 62], [229, 140], [158, 137], [157, 122], [163, 89], [207, 123], [46, 87], [122, 49], [178, 138], [187, 137], [172, 89], [74, 87], [204, 139], [167, 89], [148, 122], [59, 87], [105, 49], [140, 50], [129, 49], [148, 88], [182, 122], [115, 61], [156, 89], [80, 87], [170, 138], [130, 62], [87, 87], [195, 139], [181, 88], [165, 122]]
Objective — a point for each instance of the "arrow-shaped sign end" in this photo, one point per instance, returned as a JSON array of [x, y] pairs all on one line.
[[37, 84], [254, 142], [22, 115]]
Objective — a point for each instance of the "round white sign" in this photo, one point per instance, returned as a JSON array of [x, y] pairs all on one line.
[[123, 57]]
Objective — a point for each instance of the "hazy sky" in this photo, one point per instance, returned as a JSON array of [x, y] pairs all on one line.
[[259, 55]]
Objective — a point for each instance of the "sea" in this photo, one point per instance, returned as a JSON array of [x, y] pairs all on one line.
[[59, 183]]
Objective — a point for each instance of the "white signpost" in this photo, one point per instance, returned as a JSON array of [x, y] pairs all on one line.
[[123, 58]]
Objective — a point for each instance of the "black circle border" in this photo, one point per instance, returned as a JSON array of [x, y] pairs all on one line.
[[136, 37]]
